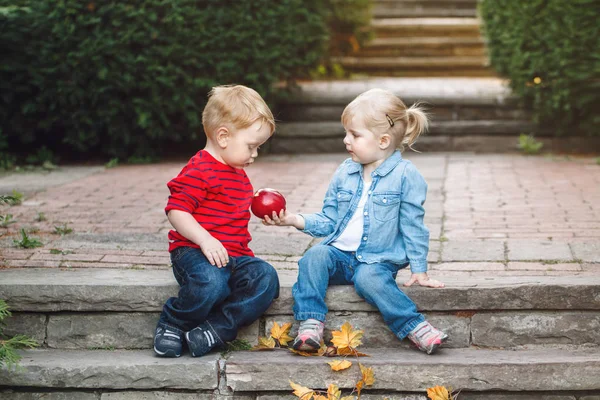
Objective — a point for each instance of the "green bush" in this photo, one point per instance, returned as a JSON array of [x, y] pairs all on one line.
[[550, 51], [130, 78]]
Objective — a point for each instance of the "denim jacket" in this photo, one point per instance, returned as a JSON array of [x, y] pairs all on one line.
[[393, 229]]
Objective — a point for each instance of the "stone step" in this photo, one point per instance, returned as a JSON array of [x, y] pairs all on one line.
[[107, 308], [492, 92], [251, 374], [425, 64], [443, 135], [437, 112], [423, 46], [422, 27], [432, 73], [393, 10], [327, 129], [420, 8]]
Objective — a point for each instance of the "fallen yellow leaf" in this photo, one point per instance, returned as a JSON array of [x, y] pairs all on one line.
[[438, 393], [340, 365], [359, 386], [367, 375], [345, 351], [265, 344], [280, 333], [320, 397], [333, 392], [347, 337], [303, 392]]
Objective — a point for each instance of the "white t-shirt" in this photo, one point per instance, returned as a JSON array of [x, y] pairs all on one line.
[[350, 238]]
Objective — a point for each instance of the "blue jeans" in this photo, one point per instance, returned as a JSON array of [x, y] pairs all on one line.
[[324, 265], [226, 298]]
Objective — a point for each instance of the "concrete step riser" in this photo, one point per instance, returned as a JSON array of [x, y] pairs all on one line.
[[427, 31], [284, 395], [399, 11], [479, 143], [105, 309], [427, 63], [497, 329], [457, 112], [427, 73], [246, 373], [422, 51]]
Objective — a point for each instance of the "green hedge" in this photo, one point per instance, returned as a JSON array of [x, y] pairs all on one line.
[[550, 51], [131, 78]]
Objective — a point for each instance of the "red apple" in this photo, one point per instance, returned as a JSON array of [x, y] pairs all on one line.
[[265, 201]]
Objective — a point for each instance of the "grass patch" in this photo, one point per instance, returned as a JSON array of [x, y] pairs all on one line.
[[13, 199], [6, 220], [62, 230], [112, 163], [62, 252], [26, 242], [529, 145], [236, 345]]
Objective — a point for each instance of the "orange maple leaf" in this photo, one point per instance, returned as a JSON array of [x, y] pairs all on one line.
[[303, 392], [439, 393], [265, 344], [345, 351], [280, 333], [347, 337], [319, 397], [340, 365]]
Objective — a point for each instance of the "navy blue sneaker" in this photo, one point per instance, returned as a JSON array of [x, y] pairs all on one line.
[[202, 339], [167, 342]]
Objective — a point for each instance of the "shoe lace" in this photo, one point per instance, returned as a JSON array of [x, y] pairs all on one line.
[[311, 325], [426, 334]]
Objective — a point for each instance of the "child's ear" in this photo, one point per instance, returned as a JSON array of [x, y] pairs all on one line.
[[222, 136], [385, 141]]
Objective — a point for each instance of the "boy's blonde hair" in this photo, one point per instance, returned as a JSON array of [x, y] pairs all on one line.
[[383, 112], [235, 107]]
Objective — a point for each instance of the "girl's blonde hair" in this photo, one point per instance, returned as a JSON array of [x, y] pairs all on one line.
[[383, 112], [235, 106]]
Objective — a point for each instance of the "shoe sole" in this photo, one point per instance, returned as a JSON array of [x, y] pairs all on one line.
[[169, 353], [435, 346], [307, 346]]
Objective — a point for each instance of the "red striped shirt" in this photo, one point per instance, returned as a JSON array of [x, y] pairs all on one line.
[[218, 197]]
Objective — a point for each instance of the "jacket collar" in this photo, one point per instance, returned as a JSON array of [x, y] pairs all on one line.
[[385, 168]]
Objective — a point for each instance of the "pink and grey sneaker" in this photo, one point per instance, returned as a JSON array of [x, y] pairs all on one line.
[[310, 335], [427, 338]]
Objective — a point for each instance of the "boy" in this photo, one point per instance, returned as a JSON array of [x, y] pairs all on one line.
[[223, 286]]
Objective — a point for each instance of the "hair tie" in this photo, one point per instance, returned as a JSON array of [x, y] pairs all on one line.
[[390, 120]]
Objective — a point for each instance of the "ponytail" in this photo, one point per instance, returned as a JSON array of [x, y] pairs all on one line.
[[418, 123]]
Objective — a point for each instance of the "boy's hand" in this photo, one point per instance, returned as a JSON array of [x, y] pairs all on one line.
[[424, 280], [214, 251], [284, 219]]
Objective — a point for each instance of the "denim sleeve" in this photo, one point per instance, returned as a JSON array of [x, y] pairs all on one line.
[[414, 231], [323, 223]]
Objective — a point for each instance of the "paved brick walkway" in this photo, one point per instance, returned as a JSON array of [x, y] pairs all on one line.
[[488, 214]]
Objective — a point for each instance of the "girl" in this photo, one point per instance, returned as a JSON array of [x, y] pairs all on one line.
[[372, 218]]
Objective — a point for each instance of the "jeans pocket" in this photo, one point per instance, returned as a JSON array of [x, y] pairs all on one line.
[[180, 252]]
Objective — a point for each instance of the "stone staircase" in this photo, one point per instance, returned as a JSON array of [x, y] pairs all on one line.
[[511, 338], [422, 38], [467, 114]]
